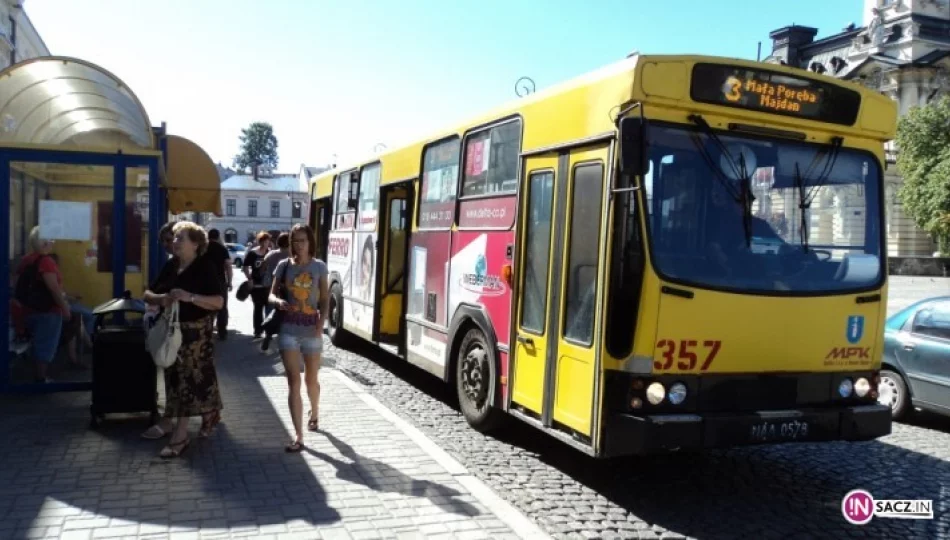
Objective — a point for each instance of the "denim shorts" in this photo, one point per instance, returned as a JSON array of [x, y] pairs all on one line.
[[45, 329], [305, 345]]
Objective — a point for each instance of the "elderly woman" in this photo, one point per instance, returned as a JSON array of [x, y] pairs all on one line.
[[191, 383], [41, 302]]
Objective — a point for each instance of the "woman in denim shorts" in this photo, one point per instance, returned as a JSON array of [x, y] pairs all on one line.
[[303, 280]]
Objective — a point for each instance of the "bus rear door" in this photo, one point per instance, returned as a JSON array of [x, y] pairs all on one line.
[[556, 360], [321, 213]]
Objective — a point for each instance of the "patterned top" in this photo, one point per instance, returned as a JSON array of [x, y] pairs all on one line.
[[302, 286]]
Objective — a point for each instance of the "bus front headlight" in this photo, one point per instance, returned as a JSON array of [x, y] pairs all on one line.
[[862, 387], [655, 393], [677, 393], [845, 387]]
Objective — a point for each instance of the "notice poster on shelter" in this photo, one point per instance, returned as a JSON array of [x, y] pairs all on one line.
[[65, 220]]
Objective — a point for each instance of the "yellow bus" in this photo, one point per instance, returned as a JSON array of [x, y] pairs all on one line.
[[672, 252]]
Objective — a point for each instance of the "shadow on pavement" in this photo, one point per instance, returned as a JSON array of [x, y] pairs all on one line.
[[55, 468], [368, 471]]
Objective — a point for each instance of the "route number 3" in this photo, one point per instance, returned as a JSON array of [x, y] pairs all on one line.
[[686, 353]]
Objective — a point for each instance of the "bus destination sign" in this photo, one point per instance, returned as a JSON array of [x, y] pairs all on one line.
[[773, 92]]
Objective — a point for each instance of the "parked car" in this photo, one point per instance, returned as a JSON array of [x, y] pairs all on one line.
[[915, 371], [237, 252]]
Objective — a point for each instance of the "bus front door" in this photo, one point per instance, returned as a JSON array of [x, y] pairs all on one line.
[[556, 357], [391, 265]]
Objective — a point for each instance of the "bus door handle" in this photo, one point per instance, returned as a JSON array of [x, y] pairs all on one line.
[[526, 341]]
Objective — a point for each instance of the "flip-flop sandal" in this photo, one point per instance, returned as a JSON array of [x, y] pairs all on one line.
[[155, 432], [294, 447], [207, 426], [174, 450], [313, 424]]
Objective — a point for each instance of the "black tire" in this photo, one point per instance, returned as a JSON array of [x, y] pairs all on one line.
[[895, 384], [476, 380], [338, 336]]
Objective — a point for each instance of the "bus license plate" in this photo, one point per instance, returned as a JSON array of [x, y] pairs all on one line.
[[790, 430]]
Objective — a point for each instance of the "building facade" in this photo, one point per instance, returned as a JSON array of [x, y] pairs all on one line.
[[272, 203], [902, 50], [19, 40]]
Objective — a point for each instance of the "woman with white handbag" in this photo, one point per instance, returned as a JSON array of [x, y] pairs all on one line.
[[182, 341]]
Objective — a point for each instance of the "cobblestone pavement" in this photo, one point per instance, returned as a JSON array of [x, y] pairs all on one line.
[[367, 474], [777, 491]]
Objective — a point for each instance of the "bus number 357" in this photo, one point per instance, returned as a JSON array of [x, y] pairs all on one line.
[[687, 354]]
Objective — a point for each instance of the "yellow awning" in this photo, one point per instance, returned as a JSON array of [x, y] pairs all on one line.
[[70, 103], [191, 178]]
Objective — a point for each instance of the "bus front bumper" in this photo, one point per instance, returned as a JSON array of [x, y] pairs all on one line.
[[630, 435]]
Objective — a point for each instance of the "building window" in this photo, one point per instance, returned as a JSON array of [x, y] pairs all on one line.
[[297, 205], [230, 236], [230, 207], [252, 207], [275, 209]]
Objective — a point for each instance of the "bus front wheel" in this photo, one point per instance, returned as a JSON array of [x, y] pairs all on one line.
[[476, 378]]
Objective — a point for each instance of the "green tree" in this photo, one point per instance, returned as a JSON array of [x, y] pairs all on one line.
[[923, 139], [258, 147]]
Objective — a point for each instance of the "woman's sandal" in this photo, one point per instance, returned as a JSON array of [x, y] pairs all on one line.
[[155, 432], [208, 423], [174, 450], [313, 424], [294, 447]]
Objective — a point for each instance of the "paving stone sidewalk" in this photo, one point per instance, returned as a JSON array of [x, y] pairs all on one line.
[[367, 474]]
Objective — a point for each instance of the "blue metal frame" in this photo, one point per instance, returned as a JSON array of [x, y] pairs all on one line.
[[119, 163]]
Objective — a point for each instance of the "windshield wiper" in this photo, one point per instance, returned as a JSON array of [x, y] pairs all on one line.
[[744, 197], [805, 200]]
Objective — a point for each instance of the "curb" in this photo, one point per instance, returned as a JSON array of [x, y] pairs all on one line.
[[505, 511]]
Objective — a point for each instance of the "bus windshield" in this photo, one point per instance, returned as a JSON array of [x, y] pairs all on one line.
[[765, 215]]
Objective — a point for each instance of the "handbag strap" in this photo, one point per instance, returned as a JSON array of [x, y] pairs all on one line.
[[173, 316]]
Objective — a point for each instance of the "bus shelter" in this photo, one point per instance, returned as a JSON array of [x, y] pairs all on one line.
[[81, 161]]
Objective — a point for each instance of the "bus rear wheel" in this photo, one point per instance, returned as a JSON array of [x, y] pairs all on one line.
[[335, 317], [476, 378]]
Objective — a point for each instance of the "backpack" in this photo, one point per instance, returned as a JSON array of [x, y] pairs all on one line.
[[31, 291]]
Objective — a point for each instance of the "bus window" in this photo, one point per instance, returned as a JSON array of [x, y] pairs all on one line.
[[537, 250], [583, 253], [626, 269], [369, 193], [440, 174], [491, 160]]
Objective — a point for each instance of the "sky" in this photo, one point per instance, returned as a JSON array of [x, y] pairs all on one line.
[[337, 78]]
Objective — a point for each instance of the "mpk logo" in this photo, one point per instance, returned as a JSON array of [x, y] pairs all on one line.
[[855, 328]]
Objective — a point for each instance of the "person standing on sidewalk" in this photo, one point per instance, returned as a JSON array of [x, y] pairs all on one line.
[[222, 262], [271, 260], [300, 290], [191, 383], [254, 271]]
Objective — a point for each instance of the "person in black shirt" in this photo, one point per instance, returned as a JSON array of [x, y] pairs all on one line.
[[254, 270], [222, 262], [191, 383]]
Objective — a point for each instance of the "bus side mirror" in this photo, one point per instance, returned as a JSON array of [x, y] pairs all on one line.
[[633, 146], [354, 197]]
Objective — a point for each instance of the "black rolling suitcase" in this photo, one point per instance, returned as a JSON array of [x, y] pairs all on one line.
[[123, 373]]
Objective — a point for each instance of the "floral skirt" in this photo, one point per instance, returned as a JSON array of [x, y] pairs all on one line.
[[191, 383]]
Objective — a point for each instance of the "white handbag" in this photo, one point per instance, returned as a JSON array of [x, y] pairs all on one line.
[[164, 339]]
